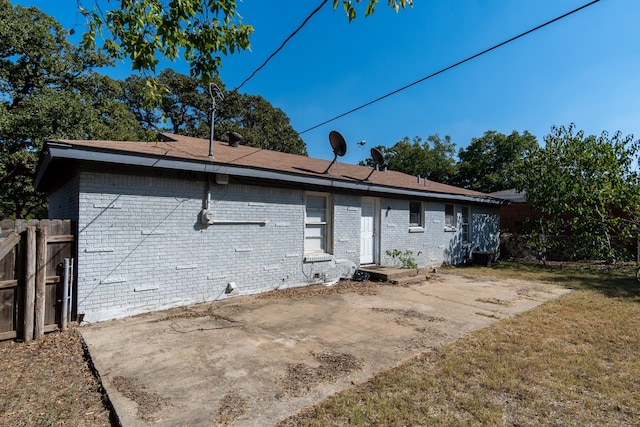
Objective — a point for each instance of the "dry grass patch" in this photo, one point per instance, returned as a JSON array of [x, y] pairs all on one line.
[[232, 408], [49, 382], [149, 404], [571, 361], [300, 378], [311, 291]]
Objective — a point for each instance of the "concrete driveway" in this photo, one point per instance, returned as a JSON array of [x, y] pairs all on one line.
[[253, 361]]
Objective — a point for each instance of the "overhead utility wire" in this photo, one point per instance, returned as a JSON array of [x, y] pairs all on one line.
[[283, 43], [450, 67]]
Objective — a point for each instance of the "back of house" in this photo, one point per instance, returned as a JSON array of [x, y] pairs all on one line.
[[163, 224]]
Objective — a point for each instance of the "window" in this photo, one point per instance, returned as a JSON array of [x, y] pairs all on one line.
[[465, 225], [415, 214], [449, 218], [316, 225]]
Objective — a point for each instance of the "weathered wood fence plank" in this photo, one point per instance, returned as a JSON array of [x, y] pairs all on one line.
[[30, 284], [8, 243], [32, 254], [41, 281]]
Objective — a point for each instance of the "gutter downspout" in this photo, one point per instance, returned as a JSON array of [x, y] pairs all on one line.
[[208, 201]]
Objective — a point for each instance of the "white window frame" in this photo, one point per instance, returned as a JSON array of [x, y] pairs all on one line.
[[450, 225], [465, 221], [416, 226], [311, 222]]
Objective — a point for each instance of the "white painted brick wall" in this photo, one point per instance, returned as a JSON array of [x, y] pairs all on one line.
[[142, 246], [485, 228], [397, 235], [63, 203], [435, 245]]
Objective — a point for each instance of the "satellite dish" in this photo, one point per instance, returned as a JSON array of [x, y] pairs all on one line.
[[378, 160], [377, 157], [338, 145], [234, 138]]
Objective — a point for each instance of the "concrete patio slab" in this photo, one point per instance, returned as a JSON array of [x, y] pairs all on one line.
[[253, 361]]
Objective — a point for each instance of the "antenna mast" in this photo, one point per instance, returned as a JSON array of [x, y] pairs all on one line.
[[214, 91]]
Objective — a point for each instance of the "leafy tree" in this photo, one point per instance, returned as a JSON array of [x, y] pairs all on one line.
[[260, 123], [186, 107], [202, 31], [441, 159], [133, 95], [587, 187], [350, 6], [47, 90], [489, 163], [432, 159]]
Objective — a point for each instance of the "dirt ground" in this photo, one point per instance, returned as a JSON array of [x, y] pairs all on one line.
[[49, 383], [256, 360]]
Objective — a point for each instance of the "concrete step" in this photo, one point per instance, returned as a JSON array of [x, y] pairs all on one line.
[[392, 274]]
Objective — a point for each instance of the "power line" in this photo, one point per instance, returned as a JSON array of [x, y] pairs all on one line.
[[316, 10], [451, 66]]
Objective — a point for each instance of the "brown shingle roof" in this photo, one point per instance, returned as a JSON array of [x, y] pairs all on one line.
[[196, 149]]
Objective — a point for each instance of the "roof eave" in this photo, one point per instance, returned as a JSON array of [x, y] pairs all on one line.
[[54, 150], [43, 164]]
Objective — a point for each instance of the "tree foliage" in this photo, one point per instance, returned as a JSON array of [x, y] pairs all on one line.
[[350, 6], [47, 90], [432, 158], [202, 31], [186, 107], [489, 163], [587, 187], [261, 124], [146, 30]]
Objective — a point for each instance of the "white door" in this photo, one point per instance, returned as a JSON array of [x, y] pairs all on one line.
[[368, 231]]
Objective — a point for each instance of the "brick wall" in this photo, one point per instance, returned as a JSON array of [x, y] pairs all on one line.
[[485, 228], [432, 244], [395, 233], [513, 216], [63, 203], [142, 247]]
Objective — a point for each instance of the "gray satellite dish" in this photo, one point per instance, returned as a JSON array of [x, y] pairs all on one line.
[[378, 161], [377, 157], [338, 145]]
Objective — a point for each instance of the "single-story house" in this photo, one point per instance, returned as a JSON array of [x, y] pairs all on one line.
[[163, 224]]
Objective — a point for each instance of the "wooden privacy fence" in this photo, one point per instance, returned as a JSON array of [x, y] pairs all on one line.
[[36, 277]]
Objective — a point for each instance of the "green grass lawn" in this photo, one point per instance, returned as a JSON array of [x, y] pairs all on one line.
[[571, 361]]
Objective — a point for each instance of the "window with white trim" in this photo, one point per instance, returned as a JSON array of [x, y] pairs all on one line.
[[416, 214], [449, 217], [317, 223], [464, 225]]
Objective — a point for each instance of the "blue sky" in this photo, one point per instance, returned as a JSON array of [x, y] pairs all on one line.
[[583, 69]]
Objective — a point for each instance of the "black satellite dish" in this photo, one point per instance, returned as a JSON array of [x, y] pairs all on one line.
[[338, 145], [378, 162]]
